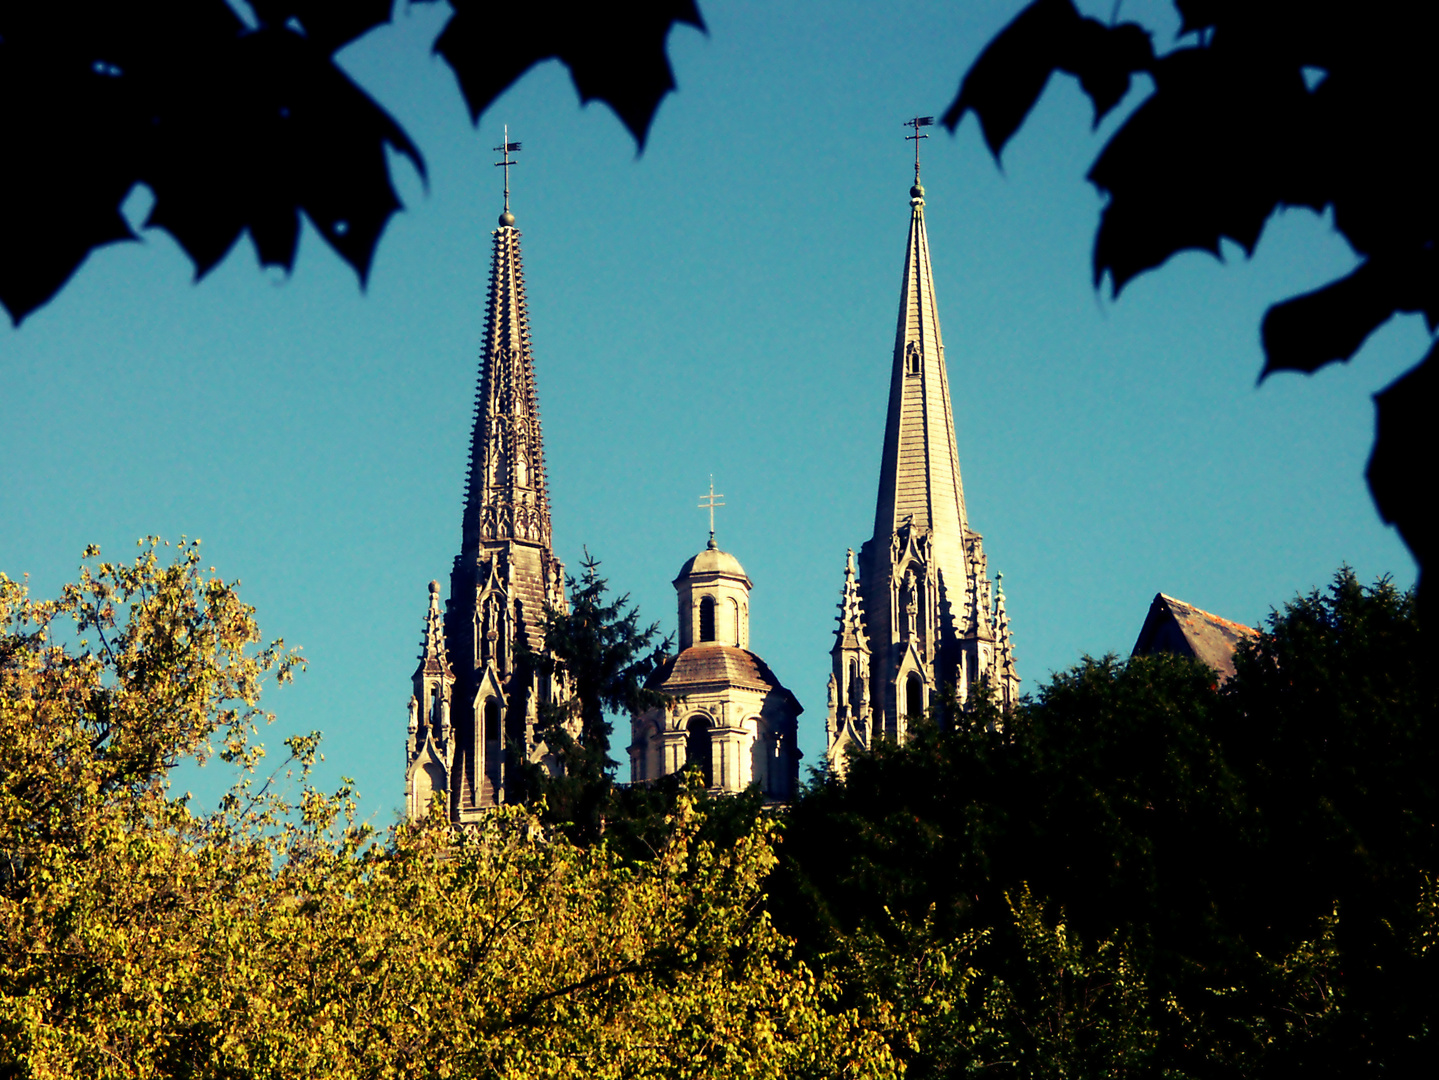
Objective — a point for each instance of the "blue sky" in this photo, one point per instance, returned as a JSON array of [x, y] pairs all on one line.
[[723, 304]]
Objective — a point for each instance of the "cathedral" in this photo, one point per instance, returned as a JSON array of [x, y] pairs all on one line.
[[917, 612]]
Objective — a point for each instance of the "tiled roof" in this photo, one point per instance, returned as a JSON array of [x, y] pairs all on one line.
[[1173, 626], [714, 665]]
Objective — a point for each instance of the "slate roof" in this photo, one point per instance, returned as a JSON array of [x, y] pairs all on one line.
[[1172, 626], [712, 665]]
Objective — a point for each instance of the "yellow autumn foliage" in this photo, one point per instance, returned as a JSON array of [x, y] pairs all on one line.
[[139, 938]]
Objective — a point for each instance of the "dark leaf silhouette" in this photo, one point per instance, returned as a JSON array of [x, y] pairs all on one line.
[[1309, 331], [1260, 106], [244, 127], [1048, 36], [232, 127], [1403, 470], [615, 51], [329, 24]]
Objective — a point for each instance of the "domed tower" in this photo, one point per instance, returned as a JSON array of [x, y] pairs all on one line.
[[736, 724]]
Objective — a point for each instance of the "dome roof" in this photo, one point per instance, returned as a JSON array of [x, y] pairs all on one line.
[[713, 561]]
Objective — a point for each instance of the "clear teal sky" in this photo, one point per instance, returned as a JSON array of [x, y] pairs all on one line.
[[723, 304]]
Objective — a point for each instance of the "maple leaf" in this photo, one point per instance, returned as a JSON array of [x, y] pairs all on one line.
[[233, 127], [1262, 106], [244, 127], [615, 51]]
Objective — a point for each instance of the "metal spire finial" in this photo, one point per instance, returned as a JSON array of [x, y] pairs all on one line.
[[508, 148], [917, 123], [708, 503]]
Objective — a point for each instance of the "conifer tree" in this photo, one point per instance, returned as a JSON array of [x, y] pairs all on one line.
[[600, 650]]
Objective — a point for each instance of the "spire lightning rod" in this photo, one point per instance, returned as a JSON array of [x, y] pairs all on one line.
[[917, 123], [508, 148], [707, 502]]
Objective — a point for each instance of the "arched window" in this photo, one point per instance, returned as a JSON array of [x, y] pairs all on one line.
[[699, 751], [492, 721], [707, 619], [851, 689], [913, 697], [734, 622]]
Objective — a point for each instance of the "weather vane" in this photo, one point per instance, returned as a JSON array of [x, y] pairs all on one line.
[[917, 123], [508, 148], [707, 502]]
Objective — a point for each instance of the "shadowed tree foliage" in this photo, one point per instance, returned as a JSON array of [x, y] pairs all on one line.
[[242, 124], [1244, 875], [1264, 104], [599, 650]]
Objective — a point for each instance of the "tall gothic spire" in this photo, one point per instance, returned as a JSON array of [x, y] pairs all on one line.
[[920, 620], [506, 576], [919, 478], [506, 497]]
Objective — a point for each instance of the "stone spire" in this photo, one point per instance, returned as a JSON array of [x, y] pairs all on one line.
[[920, 621], [434, 659], [503, 580], [506, 497], [849, 681], [506, 573], [1006, 677], [919, 478], [430, 748]]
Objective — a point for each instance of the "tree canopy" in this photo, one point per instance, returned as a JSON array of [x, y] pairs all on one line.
[[1142, 868], [277, 937], [1138, 871]]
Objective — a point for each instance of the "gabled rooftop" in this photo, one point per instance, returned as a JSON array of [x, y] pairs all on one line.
[[1172, 626]]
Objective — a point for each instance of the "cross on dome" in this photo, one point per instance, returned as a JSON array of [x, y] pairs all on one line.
[[707, 502]]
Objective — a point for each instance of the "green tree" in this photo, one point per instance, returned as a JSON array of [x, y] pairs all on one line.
[[599, 651], [1142, 865]]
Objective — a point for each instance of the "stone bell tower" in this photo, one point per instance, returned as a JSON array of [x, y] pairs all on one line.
[[503, 578], [917, 610]]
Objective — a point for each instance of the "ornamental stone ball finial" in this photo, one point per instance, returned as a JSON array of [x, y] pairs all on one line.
[[434, 588], [507, 219]]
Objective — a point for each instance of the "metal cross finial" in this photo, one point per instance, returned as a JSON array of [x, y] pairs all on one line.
[[707, 502], [508, 148], [917, 123]]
